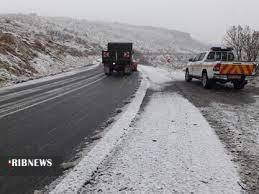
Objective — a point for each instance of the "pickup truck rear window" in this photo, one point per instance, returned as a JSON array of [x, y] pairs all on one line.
[[221, 56]]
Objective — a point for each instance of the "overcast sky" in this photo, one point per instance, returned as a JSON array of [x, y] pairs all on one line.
[[206, 20]]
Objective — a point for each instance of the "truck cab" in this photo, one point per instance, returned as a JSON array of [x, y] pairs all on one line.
[[118, 57]]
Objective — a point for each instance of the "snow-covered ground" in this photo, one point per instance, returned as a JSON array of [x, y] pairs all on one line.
[[171, 148], [168, 147]]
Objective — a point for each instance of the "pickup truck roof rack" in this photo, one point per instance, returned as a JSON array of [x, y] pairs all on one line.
[[221, 49]]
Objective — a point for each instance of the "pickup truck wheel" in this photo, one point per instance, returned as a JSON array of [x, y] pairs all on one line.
[[206, 83], [127, 70], [239, 85], [188, 78], [107, 70]]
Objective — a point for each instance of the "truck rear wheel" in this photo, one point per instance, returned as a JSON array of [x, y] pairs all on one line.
[[127, 70], [188, 78], [107, 70], [206, 83], [239, 84]]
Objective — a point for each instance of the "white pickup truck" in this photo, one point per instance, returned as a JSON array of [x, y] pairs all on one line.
[[219, 65]]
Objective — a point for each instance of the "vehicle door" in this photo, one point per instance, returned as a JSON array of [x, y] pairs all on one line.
[[193, 64], [210, 61], [198, 65]]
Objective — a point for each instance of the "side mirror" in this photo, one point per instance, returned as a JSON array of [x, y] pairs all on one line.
[[191, 60]]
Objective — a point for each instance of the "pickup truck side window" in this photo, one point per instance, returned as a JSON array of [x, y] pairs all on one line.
[[197, 57], [202, 56], [211, 56]]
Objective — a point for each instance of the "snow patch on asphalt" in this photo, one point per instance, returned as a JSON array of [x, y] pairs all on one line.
[[171, 148], [157, 77], [89, 164]]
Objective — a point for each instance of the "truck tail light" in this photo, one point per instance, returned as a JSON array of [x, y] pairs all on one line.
[[126, 55], [106, 54], [217, 67]]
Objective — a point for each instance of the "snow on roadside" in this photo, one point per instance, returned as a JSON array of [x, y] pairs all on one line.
[[171, 148]]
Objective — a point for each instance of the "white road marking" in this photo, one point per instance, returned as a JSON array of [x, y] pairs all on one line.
[[52, 98]]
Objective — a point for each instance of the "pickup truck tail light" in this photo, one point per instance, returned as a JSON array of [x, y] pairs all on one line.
[[217, 67], [126, 55], [106, 54]]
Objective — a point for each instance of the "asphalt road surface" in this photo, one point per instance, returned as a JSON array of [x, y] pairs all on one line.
[[54, 117]]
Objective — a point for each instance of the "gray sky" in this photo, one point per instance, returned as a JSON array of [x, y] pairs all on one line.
[[206, 20]]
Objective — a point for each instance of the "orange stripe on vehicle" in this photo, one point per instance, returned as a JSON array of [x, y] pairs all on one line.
[[238, 70], [242, 70], [229, 67], [223, 68], [233, 70], [246, 72], [251, 68]]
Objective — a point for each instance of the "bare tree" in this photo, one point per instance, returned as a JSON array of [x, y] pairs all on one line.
[[255, 43], [245, 42], [234, 38], [251, 43]]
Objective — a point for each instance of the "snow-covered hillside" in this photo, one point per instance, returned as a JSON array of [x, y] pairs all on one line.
[[155, 45], [33, 46]]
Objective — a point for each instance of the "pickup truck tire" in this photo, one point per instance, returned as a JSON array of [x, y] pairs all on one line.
[[107, 70], [127, 70], [239, 85], [206, 83], [188, 78]]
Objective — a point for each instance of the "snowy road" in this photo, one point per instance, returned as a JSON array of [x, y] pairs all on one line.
[[57, 117], [169, 147]]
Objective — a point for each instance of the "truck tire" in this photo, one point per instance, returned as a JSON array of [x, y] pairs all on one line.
[[206, 83], [107, 70], [188, 78], [239, 84], [127, 70]]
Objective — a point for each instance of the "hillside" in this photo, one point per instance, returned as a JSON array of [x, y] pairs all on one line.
[[33, 46]]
